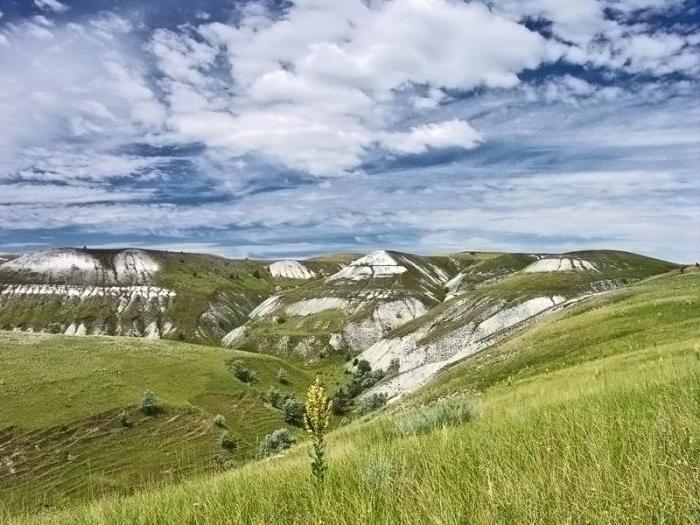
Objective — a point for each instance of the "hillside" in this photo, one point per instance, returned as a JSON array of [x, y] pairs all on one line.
[[61, 398], [430, 327], [589, 415]]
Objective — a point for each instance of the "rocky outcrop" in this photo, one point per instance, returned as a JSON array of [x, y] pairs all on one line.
[[290, 270]]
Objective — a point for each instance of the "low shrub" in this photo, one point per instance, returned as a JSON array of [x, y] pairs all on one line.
[[227, 441], [283, 376], [242, 372], [373, 402], [123, 419], [447, 412], [219, 420], [149, 403], [276, 442]]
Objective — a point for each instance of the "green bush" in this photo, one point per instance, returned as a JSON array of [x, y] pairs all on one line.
[[149, 403], [227, 441], [283, 376], [242, 372], [293, 411], [373, 402], [276, 442], [219, 420], [447, 412]]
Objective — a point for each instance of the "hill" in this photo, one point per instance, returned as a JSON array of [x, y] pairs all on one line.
[[589, 416], [61, 400]]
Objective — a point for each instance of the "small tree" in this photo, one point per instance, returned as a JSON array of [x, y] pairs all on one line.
[[227, 441], [317, 420], [283, 376], [149, 403], [293, 411]]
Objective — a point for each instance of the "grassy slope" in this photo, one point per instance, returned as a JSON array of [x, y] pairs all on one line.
[[590, 417], [60, 397]]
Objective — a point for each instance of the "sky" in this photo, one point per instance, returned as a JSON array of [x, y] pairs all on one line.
[[274, 129]]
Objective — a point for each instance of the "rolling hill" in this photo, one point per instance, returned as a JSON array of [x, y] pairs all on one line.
[[468, 346], [590, 414]]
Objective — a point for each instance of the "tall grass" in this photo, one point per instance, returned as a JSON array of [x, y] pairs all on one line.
[[616, 448]]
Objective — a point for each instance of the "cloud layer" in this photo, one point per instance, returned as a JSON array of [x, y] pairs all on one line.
[[420, 124]]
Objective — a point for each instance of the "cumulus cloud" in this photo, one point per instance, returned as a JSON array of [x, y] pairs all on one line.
[[317, 87], [449, 134]]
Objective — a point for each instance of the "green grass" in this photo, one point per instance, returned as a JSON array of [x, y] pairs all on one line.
[[60, 397], [574, 446], [591, 417]]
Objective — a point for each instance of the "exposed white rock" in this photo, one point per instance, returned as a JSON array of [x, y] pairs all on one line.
[[57, 263], [386, 316], [560, 264], [291, 270], [418, 362], [375, 264], [234, 336], [152, 331], [316, 305], [129, 293], [268, 306], [81, 330], [72, 328], [135, 266], [80, 267], [336, 341]]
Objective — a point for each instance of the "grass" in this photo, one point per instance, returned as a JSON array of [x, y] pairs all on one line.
[[60, 398], [591, 417], [621, 447]]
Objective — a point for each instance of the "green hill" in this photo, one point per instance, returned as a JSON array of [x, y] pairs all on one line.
[[591, 415]]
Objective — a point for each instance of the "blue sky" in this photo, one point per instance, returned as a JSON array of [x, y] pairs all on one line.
[[276, 129]]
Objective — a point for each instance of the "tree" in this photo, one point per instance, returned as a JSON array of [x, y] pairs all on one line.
[[317, 421], [293, 411]]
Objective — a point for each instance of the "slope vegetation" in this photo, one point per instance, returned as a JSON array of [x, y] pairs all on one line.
[[590, 416]]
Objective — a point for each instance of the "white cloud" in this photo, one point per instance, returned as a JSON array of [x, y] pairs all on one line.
[[316, 88], [449, 134], [51, 5]]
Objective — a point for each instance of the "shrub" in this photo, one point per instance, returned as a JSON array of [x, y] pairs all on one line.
[[293, 411], [242, 372], [256, 274], [373, 402], [149, 403], [394, 366], [441, 414], [283, 376], [227, 441], [339, 401], [123, 419], [219, 420], [274, 443]]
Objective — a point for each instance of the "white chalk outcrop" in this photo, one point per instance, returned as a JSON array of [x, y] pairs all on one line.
[[57, 263], [385, 316], [134, 266], [375, 264], [316, 305], [75, 266], [234, 336], [421, 357], [560, 264], [290, 270]]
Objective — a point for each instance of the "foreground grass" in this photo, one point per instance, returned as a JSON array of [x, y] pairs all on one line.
[[583, 446]]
